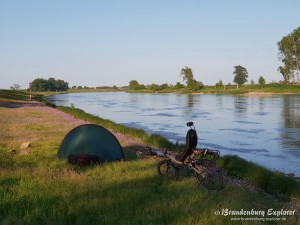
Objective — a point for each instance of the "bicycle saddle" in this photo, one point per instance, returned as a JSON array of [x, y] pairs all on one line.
[[191, 143]]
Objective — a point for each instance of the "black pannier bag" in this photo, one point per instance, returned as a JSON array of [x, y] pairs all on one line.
[[83, 159]]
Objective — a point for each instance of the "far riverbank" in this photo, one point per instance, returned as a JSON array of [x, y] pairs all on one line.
[[267, 89]]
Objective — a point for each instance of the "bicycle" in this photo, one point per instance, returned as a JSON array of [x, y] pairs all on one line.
[[208, 174]]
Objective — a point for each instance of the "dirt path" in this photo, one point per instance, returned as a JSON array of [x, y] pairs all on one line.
[[34, 122]]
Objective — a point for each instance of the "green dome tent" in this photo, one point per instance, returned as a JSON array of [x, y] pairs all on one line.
[[91, 140]]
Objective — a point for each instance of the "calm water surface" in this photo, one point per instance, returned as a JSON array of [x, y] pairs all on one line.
[[262, 129]]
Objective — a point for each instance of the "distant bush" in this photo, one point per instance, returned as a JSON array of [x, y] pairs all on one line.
[[156, 87], [178, 85], [219, 84], [261, 80], [134, 85], [197, 86]]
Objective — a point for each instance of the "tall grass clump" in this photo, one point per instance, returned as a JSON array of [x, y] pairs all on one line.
[[273, 183]]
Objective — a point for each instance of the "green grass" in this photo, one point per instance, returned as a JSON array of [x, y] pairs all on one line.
[[276, 184], [42, 189], [275, 88], [153, 139], [39, 188], [13, 96]]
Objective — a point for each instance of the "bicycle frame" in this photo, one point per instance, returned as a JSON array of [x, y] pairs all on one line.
[[209, 175], [197, 154]]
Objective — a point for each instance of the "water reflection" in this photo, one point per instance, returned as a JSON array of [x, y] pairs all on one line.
[[262, 103], [264, 129], [291, 123], [291, 111], [240, 104], [190, 101]]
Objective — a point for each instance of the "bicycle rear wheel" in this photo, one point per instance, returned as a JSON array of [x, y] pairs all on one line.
[[167, 170], [209, 175]]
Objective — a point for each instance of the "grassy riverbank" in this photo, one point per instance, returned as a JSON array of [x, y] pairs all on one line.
[[231, 89], [38, 188], [276, 184], [266, 89]]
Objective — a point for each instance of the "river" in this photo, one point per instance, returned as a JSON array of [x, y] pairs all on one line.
[[261, 129]]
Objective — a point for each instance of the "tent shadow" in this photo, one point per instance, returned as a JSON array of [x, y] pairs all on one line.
[[13, 105], [131, 153]]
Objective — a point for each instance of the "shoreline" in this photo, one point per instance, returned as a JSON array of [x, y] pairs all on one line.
[[230, 89], [286, 168], [257, 93], [46, 126], [248, 94], [56, 111]]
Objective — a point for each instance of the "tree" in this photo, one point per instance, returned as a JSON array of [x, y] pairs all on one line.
[[188, 76], [261, 80], [178, 85], [61, 85], [164, 86], [197, 85], [51, 84], [286, 73], [39, 84], [241, 75], [134, 85], [219, 84], [15, 87], [154, 87], [289, 54]]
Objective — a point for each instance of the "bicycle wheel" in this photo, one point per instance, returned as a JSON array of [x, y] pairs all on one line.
[[167, 170], [209, 175]]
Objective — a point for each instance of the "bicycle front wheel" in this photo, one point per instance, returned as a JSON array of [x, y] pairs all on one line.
[[209, 175], [167, 170]]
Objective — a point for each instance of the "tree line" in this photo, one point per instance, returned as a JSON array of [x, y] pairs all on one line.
[[240, 77], [41, 84]]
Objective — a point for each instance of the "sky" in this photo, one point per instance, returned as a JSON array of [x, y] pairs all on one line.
[[111, 42]]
